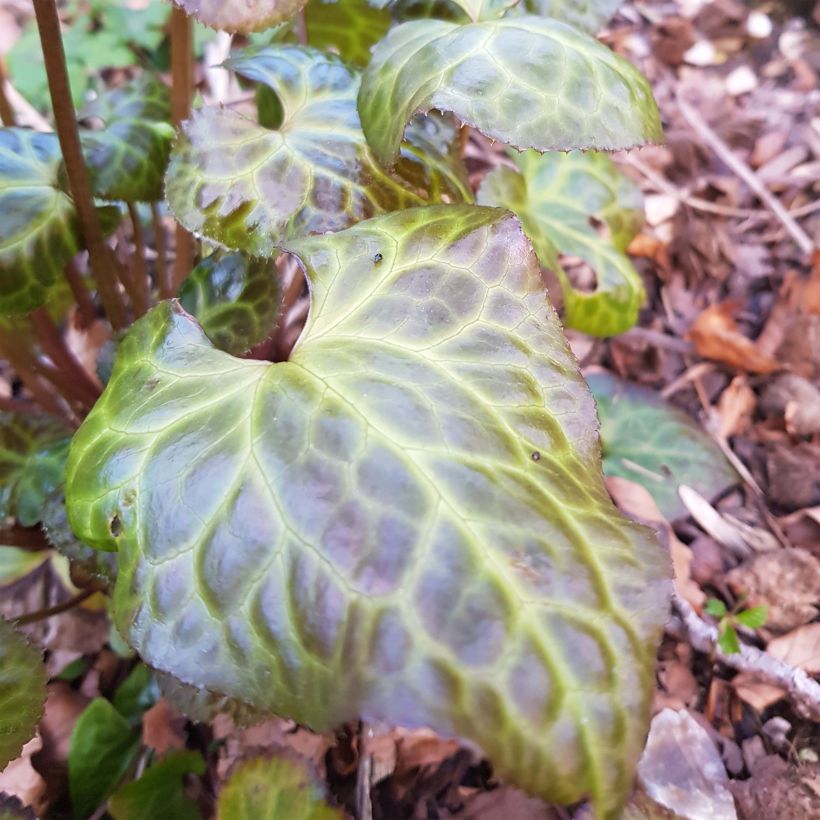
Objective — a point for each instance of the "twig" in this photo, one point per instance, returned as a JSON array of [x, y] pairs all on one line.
[[658, 339], [740, 168], [57, 609], [802, 689]]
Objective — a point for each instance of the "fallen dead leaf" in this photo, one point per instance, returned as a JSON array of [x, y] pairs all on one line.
[[713, 522], [796, 400], [163, 729], [735, 407], [507, 803], [779, 791], [21, 780]]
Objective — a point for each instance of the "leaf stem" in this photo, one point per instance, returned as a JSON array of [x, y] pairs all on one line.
[[85, 304], [166, 290], [139, 271], [7, 116], [65, 117]]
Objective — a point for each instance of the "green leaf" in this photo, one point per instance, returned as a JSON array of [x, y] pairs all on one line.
[[128, 156], [560, 198], [715, 607], [753, 618], [480, 10], [267, 788], [137, 693], [102, 748], [527, 81], [16, 563], [160, 791], [728, 640], [587, 15], [241, 16], [249, 188], [405, 522], [652, 443], [39, 231], [235, 298], [32, 458], [348, 27], [22, 691]]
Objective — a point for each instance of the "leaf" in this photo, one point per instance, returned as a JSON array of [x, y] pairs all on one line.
[[137, 693], [159, 792], [128, 156], [728, 640], [241, 16], [102, 748], [348, 27], [271, 787], [16, 563], [587, 15], [22, 691], [405, 522], [235, 298], [527, 81], [715, 607], [32, 457], [649, 441], [753, 618], [249, 188], [39, 231], [478, 10], [559, 199]]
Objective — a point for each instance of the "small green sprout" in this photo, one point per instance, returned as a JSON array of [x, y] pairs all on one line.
[[752, 618]]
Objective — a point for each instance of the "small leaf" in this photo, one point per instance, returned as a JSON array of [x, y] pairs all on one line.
[[136, 694], [728, 640], [586, 15], [16, 563], [405, 522], [235, 298], [22, 691], [241, 16], [102, 748], [39, 231], [652, 443], [348, 27], [249, 188], [753, 618], [560, 198], [527, 81], [716, 607], [33, 450], [160, 791], [273, 787], [128, 156]]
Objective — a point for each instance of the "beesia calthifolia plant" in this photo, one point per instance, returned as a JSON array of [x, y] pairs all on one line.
[[405, 521]]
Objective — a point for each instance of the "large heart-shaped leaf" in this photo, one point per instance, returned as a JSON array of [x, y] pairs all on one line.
[[128, 156], [234, 297], [527, 81], [406, 521], [578, 204], [241, 16], [348, 27], [249, 187], [39, 230], [22, 691], [586, 15]]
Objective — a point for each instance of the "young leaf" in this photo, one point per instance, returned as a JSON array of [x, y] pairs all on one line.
[[271, 787], [160, 791], [241, 16], [715, 607], [32, 458], [348, 27], [585, 15], [557, 197], [249, 188], [137, 693], [728, 640], [39, 231], [652, 443], [22, 691], [234, 297], [406, 521], [102, 748], [527, 81], [128, 156], [753, 618]]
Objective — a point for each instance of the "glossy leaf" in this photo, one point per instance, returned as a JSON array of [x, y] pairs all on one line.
[[235, 298], [102, 748], [249, 188], [652, 443], [39, 231], [160, 791], [273, 787], [22, 691], [32, 458], [586, 15], [241, 16], [406, 521], [129, 154], [348, 27], [527, 81], [559, 198]]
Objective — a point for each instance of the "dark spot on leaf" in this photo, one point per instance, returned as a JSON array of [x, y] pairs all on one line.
[[665, 471], [115, 526], [152, 383], [377, 258], [536, 456]]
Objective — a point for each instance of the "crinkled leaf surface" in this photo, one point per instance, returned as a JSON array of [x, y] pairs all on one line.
[[235, 299], [527, 81], [32, 459], [405, 521], [128, 156], [348, 27], [652, 443], [22, 691], [39, 231], [241, 16], [559, 198], [249, 188], [586, 15], [272, 787]]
